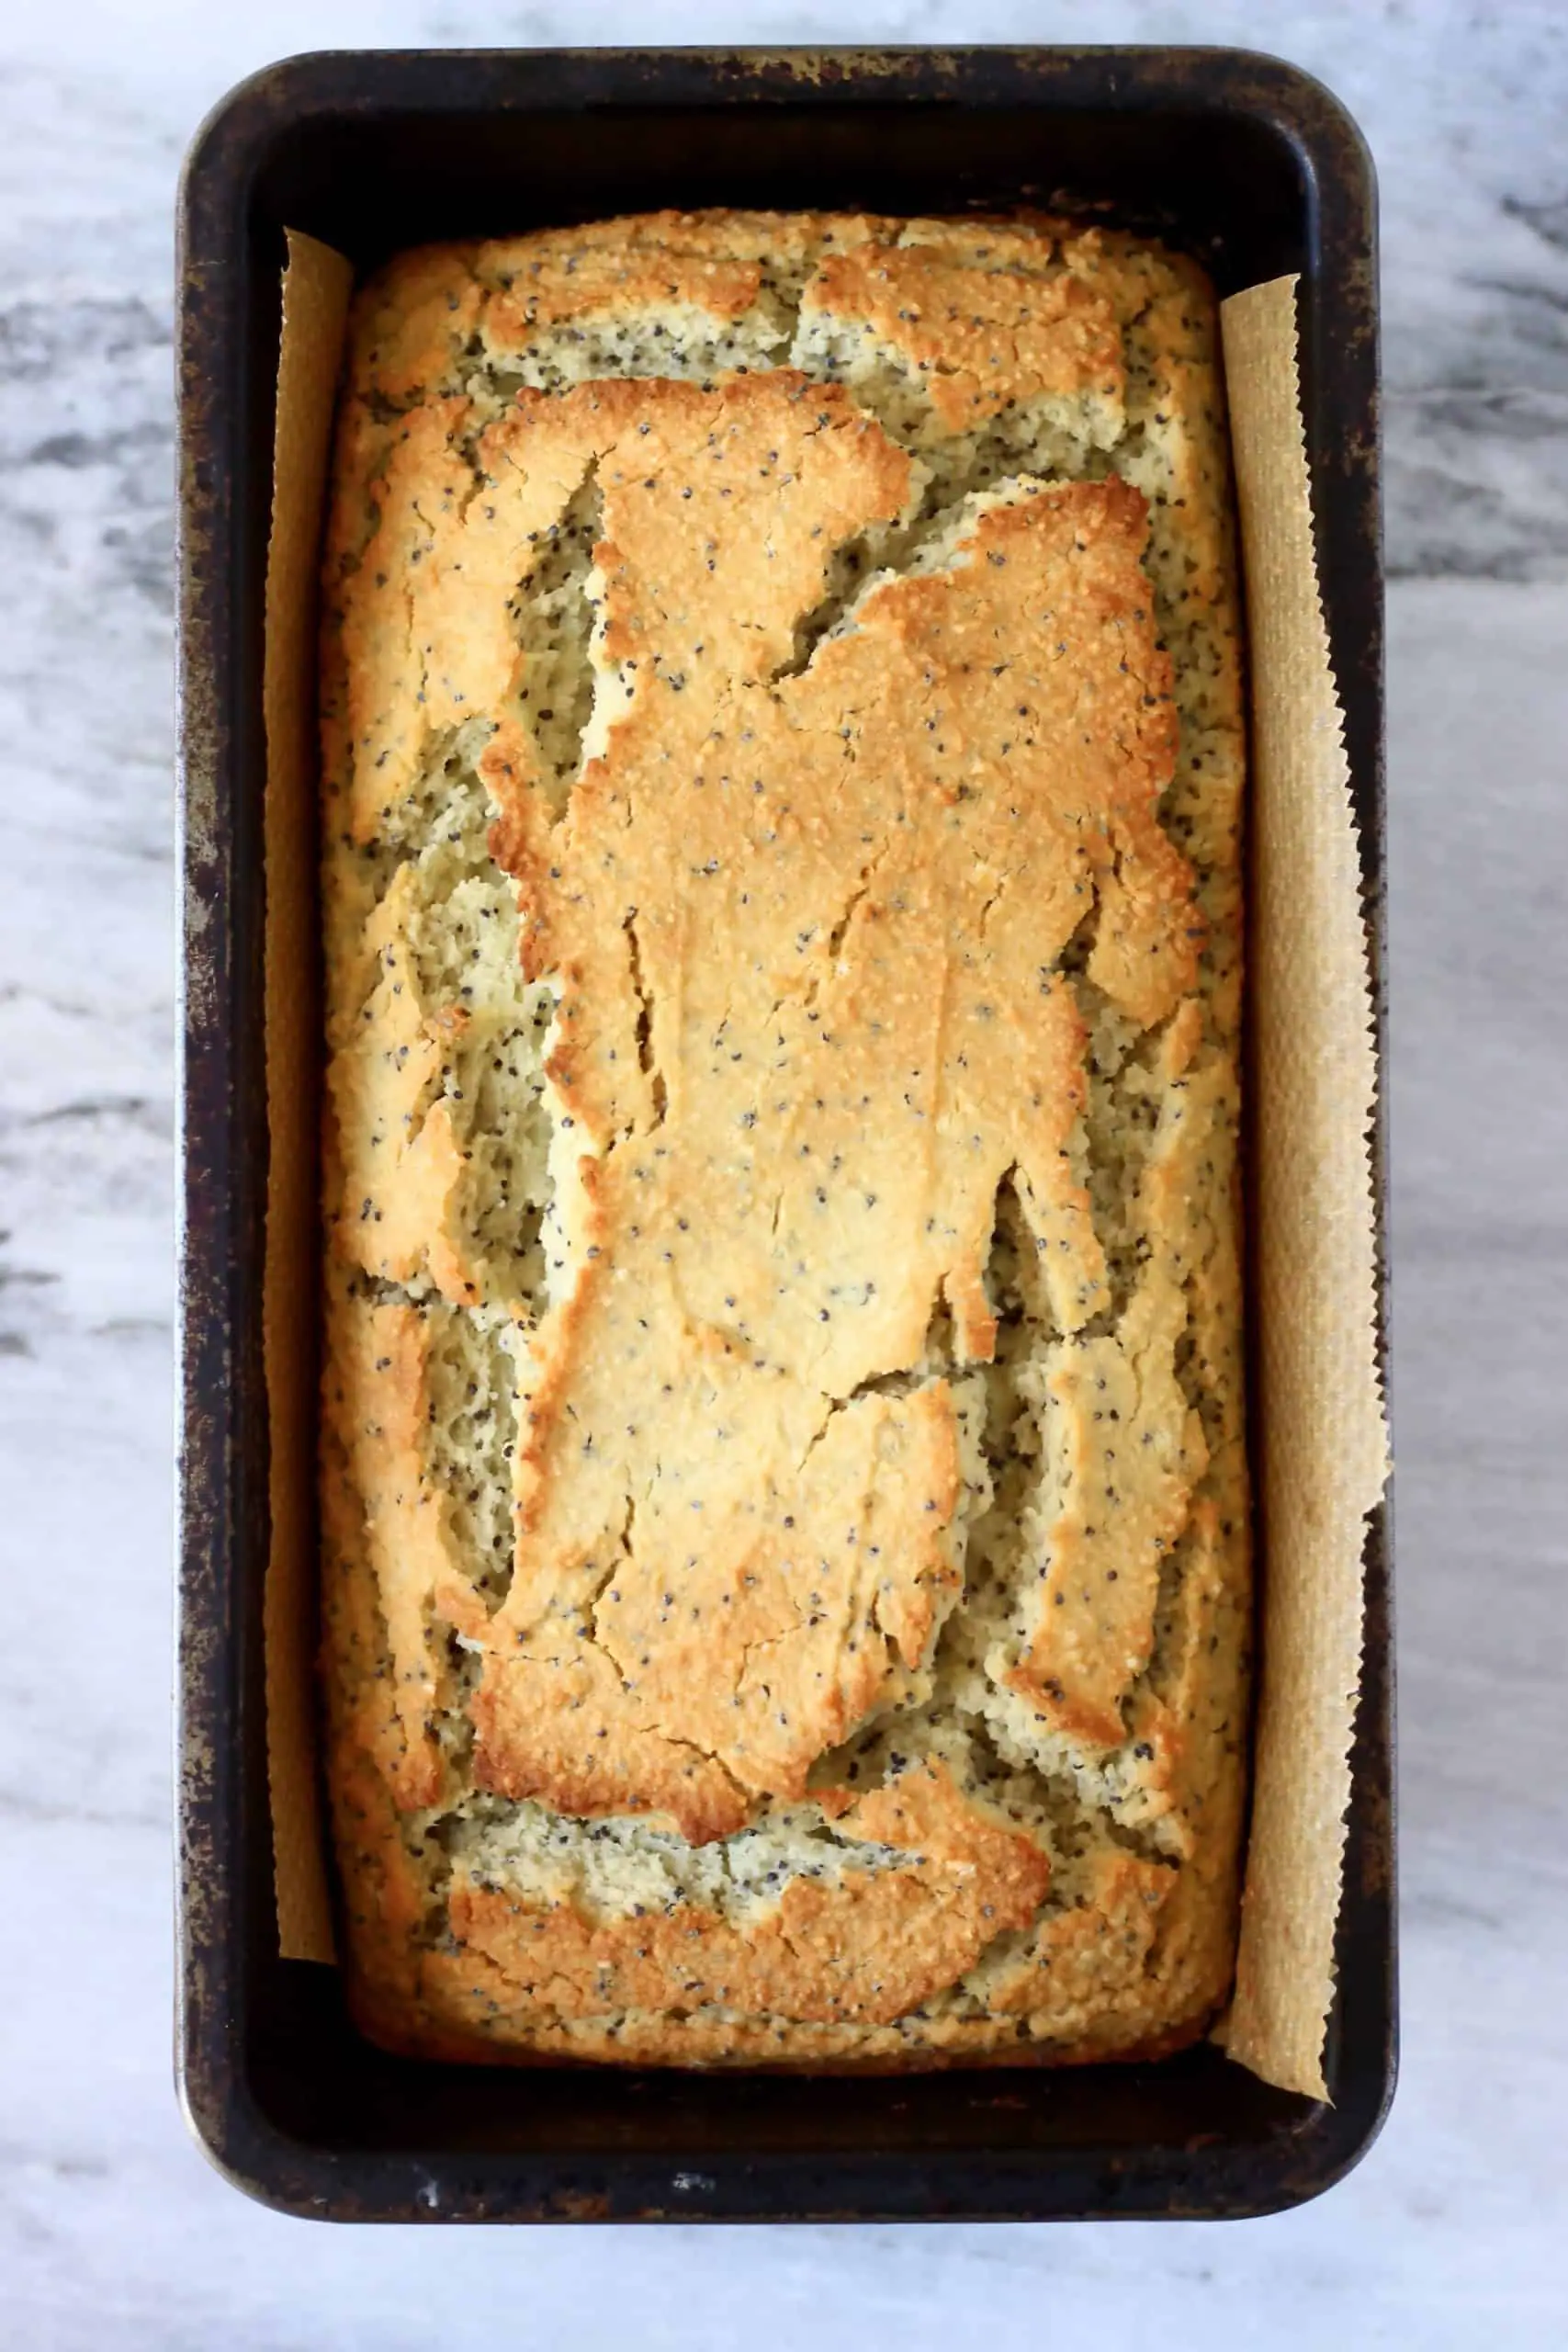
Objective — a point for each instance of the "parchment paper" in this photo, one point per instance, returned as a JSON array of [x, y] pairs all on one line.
[[1318, 1443], [316, 289], [1319, 1451]]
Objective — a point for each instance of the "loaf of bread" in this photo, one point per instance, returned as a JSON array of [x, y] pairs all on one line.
[[783, 1500]]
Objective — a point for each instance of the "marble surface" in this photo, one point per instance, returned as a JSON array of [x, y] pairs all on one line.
[[112, 2228]]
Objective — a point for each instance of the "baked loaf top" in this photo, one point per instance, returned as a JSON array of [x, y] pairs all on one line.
[[783, 1478]]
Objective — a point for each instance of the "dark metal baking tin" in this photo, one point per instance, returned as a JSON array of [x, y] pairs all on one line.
[[1251, 165]]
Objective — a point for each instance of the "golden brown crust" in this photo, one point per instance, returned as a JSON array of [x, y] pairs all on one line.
[[411, 324], [695, 1709], [547, 289], [964, 878], [375, 1396], [836, 914], [982, 338], [779, 239], [871, 1945]]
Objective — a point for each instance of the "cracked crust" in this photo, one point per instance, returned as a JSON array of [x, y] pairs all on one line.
[[870, 1948], [983, 338], [782, 1486]]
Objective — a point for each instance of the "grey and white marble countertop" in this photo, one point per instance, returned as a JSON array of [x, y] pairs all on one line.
[[113, 2231]]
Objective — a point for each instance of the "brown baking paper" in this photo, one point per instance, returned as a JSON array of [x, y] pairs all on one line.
[[1319, 1448], [315, 305], [1319, 1441]]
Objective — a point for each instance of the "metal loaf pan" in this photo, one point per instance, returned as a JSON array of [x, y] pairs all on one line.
[[1255, 168]]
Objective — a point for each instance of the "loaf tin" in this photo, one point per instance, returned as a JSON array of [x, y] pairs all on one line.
[[1245, 161]]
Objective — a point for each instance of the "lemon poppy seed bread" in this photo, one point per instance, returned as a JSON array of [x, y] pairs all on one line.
[[783, 1498]]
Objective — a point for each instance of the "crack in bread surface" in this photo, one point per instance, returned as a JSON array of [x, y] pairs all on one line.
[[783, 1453]]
